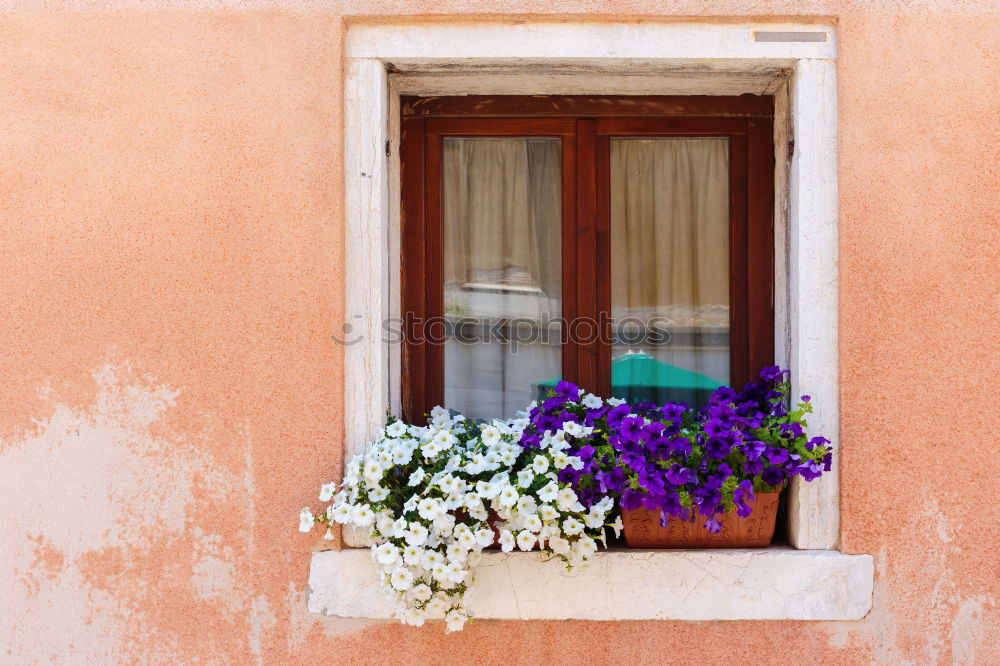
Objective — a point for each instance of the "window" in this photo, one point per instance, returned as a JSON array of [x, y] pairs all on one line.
[[623, 243]]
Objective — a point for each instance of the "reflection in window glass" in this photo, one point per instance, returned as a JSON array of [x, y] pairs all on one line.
[[669, 268], [502, 217]]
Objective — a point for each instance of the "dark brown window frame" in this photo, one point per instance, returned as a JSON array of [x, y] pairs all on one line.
[[585, 124]]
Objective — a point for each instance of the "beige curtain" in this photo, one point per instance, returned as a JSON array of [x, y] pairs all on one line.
[[502, 207], [502, 218], [670, 246], [670, 224]]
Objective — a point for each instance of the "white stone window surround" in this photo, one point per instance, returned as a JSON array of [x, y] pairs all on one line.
[[810, 580]]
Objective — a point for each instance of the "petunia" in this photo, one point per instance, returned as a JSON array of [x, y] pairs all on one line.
[[306, 520], [678, 476], [506, 541]]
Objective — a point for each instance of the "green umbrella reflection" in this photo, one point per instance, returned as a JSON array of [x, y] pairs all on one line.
[[637, 377]]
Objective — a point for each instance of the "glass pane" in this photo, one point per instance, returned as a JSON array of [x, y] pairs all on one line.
[[502, 218], [669, 268]]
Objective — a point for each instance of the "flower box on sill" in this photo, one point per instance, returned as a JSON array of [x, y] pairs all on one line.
[[643, 529]]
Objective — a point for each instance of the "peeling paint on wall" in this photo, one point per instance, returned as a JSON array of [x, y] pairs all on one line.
[[97, 516]]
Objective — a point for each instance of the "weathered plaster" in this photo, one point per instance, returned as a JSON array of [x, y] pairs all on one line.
[[172, 188]]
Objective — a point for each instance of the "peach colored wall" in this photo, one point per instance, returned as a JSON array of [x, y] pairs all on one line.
[[171, 201]]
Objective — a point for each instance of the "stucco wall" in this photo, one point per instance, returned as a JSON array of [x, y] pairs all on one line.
[[172, 219]]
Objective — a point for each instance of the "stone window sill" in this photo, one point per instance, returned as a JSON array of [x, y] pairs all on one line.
[[756, 584]]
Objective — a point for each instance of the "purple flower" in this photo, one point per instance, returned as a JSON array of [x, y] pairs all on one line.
[[773, 476], [741, 494], [678, 475], [568, 389], [631, 499], [776, 456], [754, 449], [719, 446], [713, 525], [632, 428], [553, 402], [816, 441], [616, 414], [680, 444], [673, 411], [810, 470]]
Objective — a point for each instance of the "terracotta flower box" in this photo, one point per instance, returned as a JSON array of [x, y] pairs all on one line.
[[642, 528]]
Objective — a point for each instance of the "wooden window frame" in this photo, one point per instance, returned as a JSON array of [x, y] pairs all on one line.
[[585, 124]]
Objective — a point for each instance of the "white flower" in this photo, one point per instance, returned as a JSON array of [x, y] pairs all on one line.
[[594, 519], [384, 522], [373, 470], [526, 505], [490, 436], [413, 617], [466, 539], [525, 477], [362, 516], [401, 455], [508, 496], [572, 526], [506, 541], [487, 489], [548, 532], [575, 462], [386, 554], [412, 555], [566, 499], [456, 572], [416, 535], [353, 471], [614, 402], [549, 492], [416, 476], [591, 401], [455, 620], [533, 523], [396, 429], [548, 512], [306, 520], [558, 545], [440, 572], [329, 534], [617, 526], [540, 464], [440, 416], [560, 459], [432, 558], [421, 592], [326, 491], [444, 439], [401, 579], [585, 546], [525, 540], [411, 503], [446, 483], [444, 523], [429, 508], [485, 537], [457, 553], [378, 493], [508, 458], [436, 607], [342, 513]]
